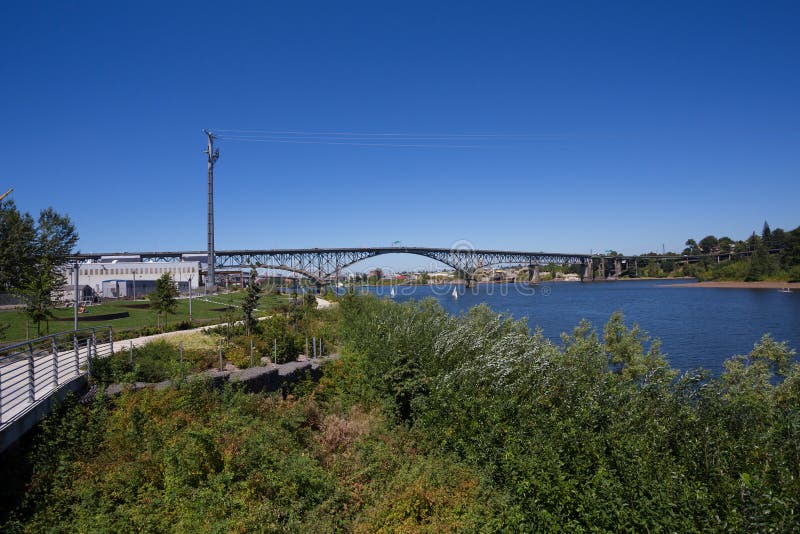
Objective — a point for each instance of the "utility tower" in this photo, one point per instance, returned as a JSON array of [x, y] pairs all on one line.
[[213, 156]]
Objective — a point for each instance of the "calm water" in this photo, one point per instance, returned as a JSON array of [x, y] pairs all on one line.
[[698, 327]]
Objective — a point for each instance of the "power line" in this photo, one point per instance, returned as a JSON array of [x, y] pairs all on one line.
[[392, 134], [307, 142]]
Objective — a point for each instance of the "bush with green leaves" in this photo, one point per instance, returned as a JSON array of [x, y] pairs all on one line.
[[597, 433], [153, 362], [197, 459]]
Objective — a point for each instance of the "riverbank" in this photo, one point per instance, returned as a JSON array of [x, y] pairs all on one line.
[[794, 286]]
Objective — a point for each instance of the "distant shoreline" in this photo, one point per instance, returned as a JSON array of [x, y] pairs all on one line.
[[742, 285]]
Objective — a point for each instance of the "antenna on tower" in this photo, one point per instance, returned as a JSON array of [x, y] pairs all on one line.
[[213, 156]]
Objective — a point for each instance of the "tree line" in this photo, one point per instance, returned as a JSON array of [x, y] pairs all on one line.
[[773, 254]]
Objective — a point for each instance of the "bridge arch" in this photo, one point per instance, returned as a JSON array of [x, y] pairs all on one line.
[[375, 254], [316, 279]]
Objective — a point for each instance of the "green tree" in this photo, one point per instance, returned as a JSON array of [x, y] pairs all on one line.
[[778, 239], [163, 299], [708, 244], [250, 302], [17, 246], [32, 257], [725, 244], [766, 235], [38, 294]]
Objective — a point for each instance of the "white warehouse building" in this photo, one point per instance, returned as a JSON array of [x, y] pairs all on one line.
[[118, 279]]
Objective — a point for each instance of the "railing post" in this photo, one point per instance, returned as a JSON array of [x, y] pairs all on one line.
[[130, 355], [77, 354], [55, 361], [180, 350], [111, 339], [1, 398], [89, 356], [252, 362], [31, 384]]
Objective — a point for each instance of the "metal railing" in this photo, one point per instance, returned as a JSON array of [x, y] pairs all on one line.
[[33, 370]]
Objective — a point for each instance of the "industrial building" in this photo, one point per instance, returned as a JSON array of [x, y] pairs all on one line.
[[128, 279]]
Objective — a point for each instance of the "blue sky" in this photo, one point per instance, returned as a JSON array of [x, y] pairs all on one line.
[[621, 125]]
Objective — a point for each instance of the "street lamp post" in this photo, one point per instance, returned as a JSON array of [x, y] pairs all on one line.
[[75, 304], [190, 298], [133, 271]]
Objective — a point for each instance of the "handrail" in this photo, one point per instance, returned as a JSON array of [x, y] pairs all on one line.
[[49, 336], [33, 370]]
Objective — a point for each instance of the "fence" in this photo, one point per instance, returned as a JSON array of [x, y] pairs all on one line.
[[31, 371]]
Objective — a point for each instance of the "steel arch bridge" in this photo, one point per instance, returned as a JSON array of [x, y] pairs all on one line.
[[323, 265]]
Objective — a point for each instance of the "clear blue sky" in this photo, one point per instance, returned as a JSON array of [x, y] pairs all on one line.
[[634, 124]]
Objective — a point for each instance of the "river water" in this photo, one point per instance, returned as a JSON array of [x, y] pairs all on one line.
[[698, 327]]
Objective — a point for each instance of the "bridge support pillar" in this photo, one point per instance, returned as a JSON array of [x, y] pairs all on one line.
[[467, 281], [533, 274], [636, 268], [602, 270], [617, 268], [586, 271]]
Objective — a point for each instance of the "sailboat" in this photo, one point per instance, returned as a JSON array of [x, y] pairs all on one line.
[[455, 293], [785, 290], [392, 293]]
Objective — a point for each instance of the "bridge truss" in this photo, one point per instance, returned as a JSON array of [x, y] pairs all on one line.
[[328, 264]]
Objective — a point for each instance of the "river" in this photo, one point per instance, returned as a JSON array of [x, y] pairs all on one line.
[[698, 327]]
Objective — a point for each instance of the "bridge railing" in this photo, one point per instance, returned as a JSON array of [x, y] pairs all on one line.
[[31, 371]]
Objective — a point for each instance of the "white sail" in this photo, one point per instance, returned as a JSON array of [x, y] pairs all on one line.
[[455, 293], [392, 292]]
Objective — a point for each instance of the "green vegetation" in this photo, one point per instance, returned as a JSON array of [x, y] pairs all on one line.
[[437, 423], [140, 319], [156, 361], [32, 256], [280, 335], [774, 255]]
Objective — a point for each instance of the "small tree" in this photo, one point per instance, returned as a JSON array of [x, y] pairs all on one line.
[[163, 299], [251, 302], [38, 294]]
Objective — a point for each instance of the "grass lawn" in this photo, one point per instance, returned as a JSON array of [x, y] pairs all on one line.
[[126, 314]]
